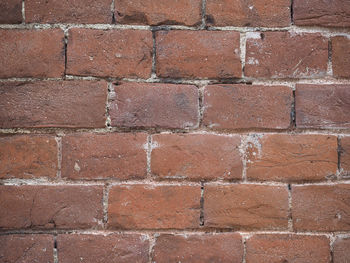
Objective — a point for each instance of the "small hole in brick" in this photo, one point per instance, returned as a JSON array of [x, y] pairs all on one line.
[[262, 35]]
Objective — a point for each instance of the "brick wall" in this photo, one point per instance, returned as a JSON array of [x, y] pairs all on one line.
[[175, 131]]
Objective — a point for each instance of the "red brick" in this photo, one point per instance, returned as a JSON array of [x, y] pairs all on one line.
[[165, 12], [26, 248], [345, 155], [290, 158], [286, 55], [256, 13], [288, 248], [109, 53], [322, 106], [53, 104], [78, 11], [341, 250], [223, 247], [321, 207], [341, 56], [25, 156], [335, 13], [31, 53], [101, 156], [243, 107], [75, 248], [10, 11], [155, 105], [198, 54], [246, 207], [154, 206], [196, 156], [46, 207]]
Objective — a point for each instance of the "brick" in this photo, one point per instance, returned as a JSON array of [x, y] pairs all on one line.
[[122, 248], [196, 156], [291, 158], [243, 107], [154, 206], [341, 56], [322, 106], [321, 13], [223, 247], [345, 155], [246, 207], [286, 55], [165, 12], [198, 54], [155, 105], [26, 248], [31, 53], [50, 207], [288, 248], [28, 156], [71, 104], [102, 156], [10, 11], [256, 13], [78, 11], [341, 250], [109, 53], [321, 207]]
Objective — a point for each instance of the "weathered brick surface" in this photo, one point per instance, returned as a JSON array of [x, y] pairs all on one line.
[[46, 207], [341, 250], [334, 13], [121, 248], [245, 106], [109, 53], [154, 105], [246, 207], [196, 156], [198, 54], [322, 106], [31, 53], [341, 56], [152, 206], [345, 154], [10, 11], [224, 247], [53, 104], [164, 12], [26, 248], [286, 55], [321, 207], [256, 13], [28, 156], [284, 157], [102, 156], [287, 248]]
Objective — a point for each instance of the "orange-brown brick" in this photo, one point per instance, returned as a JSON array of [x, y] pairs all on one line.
[[10, 11], [121, 248], [223, 247], [46, 207], [287, 248], [154, 206], [109, 53], [246, 106], [345, 155], [284, 157], [286, 55], [246, 206], [341, 250], [164, 12], [53, 104], [78, 11], [31, 53], [341, 56], [322, 106], [28, 156], [196, 156], [321, 207], [198, 54], [154, 105], [256, 13], [100, 156]]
